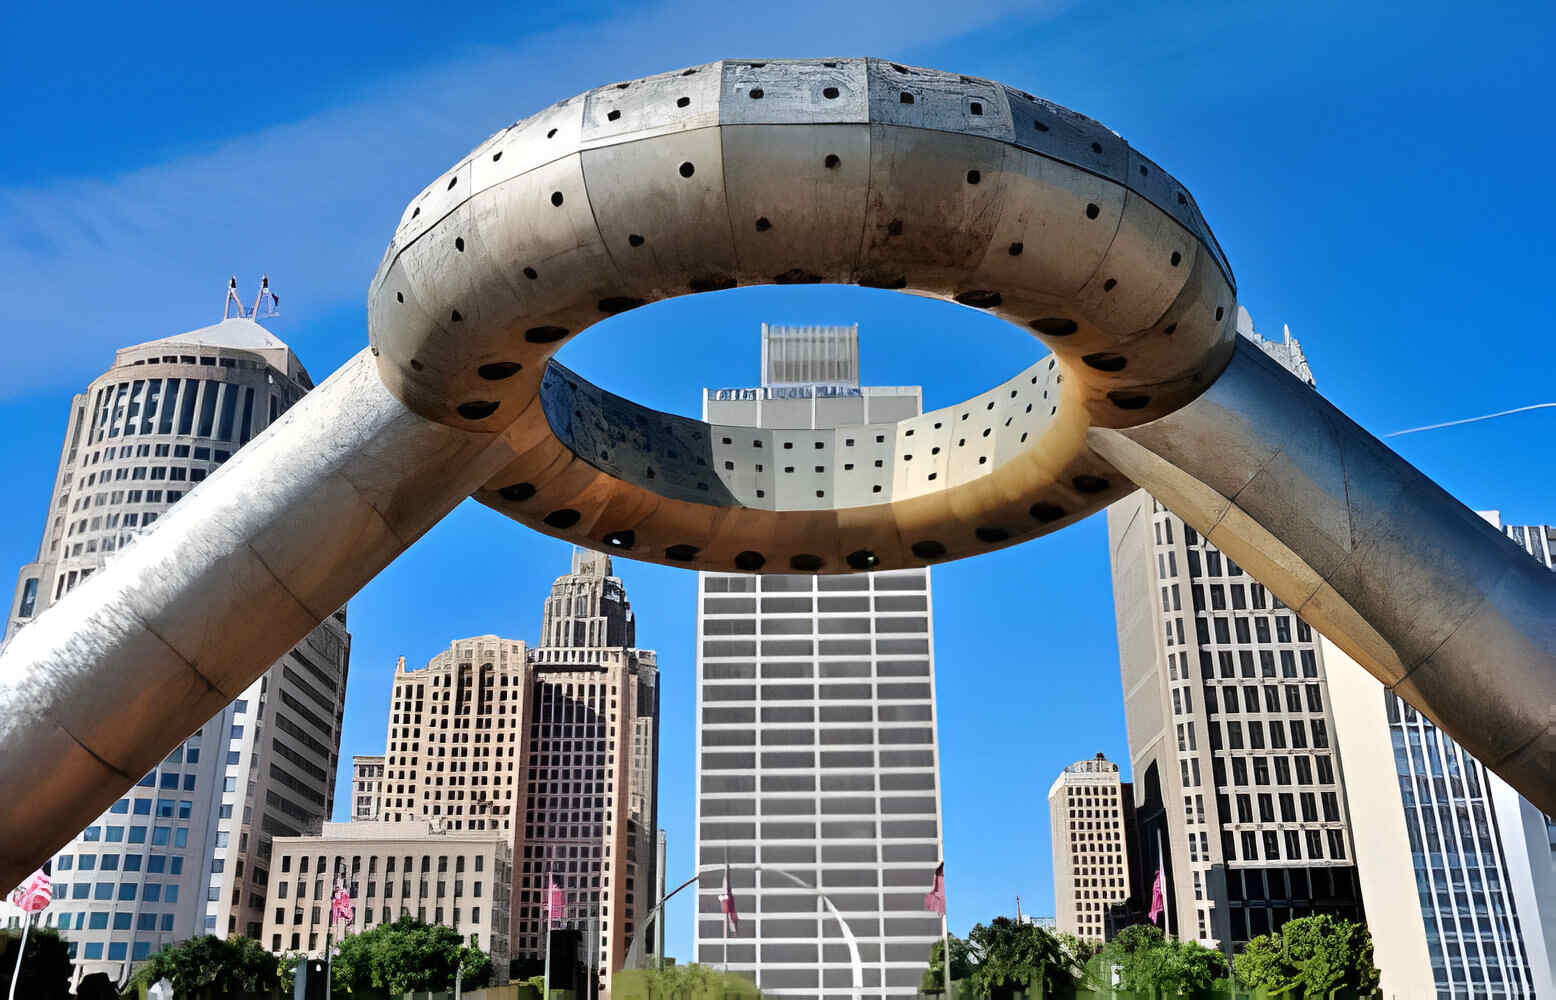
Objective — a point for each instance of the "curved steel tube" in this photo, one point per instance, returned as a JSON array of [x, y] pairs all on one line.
[[98, 690], [958, 187], [1421, 591]]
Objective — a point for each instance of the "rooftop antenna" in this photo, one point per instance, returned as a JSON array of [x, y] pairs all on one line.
[[232, 300], [266, 304], [270, 300]]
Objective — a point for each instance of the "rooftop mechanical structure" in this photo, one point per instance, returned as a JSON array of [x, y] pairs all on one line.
[[739, 172]]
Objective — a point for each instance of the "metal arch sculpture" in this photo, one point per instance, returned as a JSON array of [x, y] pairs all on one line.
[[740, 172]]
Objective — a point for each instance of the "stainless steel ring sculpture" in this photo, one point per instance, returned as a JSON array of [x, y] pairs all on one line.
[[854, 171]]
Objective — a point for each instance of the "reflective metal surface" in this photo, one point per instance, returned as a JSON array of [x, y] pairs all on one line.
[[855, 171], [1431, 599], [742, 172], [98, 690]]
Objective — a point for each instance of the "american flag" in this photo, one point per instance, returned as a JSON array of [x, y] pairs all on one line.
[[341, 910], [36, 893], [727, 904], [934, 900]]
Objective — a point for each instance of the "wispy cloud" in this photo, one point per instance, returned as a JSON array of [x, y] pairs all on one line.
[[89, 264]]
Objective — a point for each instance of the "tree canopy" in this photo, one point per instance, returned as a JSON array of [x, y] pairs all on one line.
[[679, 982], [961, 965], [225, 966], [407, 956], [1147, 959], [45, 966], [1011, 957], [1313, 955]]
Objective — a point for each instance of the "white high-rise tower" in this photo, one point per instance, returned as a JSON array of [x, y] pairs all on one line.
[[817, 759]]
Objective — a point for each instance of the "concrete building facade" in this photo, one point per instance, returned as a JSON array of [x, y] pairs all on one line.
[[817, 757], [460, 879], [1465, 860], [367, 774], [554, 746], [1090, 846], [187, 850], [1230, 726]]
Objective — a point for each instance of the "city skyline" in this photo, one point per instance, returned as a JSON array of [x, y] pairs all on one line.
[[1352, 329]]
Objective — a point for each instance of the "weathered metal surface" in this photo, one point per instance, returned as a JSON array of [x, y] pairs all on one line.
[[730, 173], [1426, 595], [100, 687], [858, 171]]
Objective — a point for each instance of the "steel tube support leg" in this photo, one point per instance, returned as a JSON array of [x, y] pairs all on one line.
[[1421, 591], [103, 685]]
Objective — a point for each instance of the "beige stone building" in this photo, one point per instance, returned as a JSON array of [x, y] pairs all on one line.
[[367, 773], [1091, 863], [461, 879], [454, 734], [555, 747]]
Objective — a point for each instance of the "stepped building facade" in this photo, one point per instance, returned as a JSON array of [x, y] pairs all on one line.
[[555, 748]]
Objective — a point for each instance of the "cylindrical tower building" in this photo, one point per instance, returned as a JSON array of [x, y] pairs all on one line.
[[186, 852]]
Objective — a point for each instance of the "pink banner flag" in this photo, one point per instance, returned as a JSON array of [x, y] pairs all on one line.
[[556, 904], [341, 910], [1158, 903], [36, 893], [934, 901], [727, 904]]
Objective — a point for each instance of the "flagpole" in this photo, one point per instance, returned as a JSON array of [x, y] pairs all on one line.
[[1161, 866], [20, 953], [545, 981]]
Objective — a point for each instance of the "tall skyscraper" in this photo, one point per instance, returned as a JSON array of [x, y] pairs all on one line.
[[593, 768], [557, 745], [1086, 811], [1463, 862], [817, 758], [1230, 729], [187, 850]]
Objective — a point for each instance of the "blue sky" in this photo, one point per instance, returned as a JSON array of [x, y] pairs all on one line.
[[1379, 183]]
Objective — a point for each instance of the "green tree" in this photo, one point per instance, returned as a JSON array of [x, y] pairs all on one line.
[[682, 982], [1312, 955], [45, 966], [961, 965], [1011, 957], [407, 956], [230, 966], [1148, 960]]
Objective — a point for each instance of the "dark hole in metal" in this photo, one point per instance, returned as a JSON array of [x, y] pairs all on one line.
[[496, 371], [862, 559], [980, 298], [928, 549], [564, 518], [545, 334], [1046, 512], [1054, 326], [477, 409]]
